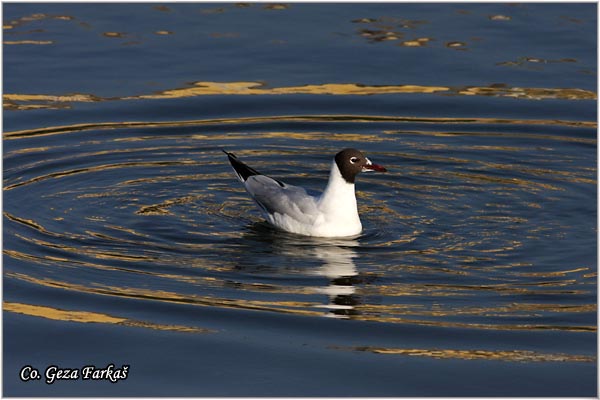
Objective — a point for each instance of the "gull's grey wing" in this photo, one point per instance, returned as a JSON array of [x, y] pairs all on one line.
[[277, 197], [273, 196]]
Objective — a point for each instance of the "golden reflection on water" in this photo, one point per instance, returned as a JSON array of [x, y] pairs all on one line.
[[35, 17], [96, 168], [507, 134], [336, 292], [163, 208], [533, 62], [495, 355], [115, 34], [276, 6], [55, 130], [499, 17], [38, 42], [21, 101], [294, 307], [92, 317], [387, 28], [258, 88], [418, 42]]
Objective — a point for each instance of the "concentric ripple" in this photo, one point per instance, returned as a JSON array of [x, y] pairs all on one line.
[[462, 232]]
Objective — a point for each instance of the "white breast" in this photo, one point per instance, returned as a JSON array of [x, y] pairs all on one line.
[[338, 208]]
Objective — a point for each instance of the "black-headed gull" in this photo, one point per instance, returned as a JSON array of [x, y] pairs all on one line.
[[332, 214]]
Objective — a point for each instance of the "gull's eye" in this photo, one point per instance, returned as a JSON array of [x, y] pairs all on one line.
[[354, 160]]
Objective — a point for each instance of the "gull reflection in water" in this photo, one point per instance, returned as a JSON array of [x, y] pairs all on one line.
[[339, 268], [335, 256]]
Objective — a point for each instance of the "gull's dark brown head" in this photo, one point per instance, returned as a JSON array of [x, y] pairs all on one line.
[[352, 162]]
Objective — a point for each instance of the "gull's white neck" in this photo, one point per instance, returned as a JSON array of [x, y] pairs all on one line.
[[338, 205]]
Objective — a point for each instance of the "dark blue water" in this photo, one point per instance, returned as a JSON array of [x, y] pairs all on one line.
[[128, 241]]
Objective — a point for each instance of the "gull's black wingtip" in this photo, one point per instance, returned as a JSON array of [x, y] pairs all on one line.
[[242, 170], [232, 158]]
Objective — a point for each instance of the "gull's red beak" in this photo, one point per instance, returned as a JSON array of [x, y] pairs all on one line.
[[369, 166]]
